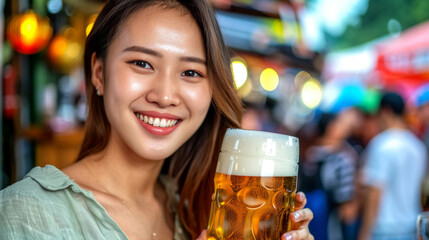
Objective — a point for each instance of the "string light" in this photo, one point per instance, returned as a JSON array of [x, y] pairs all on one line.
[[311, 93], [269, 79], [239, 72]]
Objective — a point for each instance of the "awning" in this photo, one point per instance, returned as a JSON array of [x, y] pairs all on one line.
[[404, 60]]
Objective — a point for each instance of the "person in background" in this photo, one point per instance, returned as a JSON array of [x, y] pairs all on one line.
[[160, 93], [328, 178], [395, 163]]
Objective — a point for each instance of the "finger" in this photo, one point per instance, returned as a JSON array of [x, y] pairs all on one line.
[[202, 235], [300, 234], [300, 201], [303, 216], [213, 196]]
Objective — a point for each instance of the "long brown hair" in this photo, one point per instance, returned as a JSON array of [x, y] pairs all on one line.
[[192, 165]]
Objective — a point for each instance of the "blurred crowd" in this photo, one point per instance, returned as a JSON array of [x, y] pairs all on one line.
[[363, 172]]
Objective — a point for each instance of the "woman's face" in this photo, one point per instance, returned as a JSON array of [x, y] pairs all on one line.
[[154, 82]]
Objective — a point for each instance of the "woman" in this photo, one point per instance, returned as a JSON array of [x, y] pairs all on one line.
[[160, 92]]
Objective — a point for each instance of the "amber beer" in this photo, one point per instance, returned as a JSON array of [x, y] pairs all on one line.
[[255, 186]]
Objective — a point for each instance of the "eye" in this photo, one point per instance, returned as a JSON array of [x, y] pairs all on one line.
[[141, 63], [191, 73]]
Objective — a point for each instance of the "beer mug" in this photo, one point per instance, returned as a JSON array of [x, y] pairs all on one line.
[[255, 185]]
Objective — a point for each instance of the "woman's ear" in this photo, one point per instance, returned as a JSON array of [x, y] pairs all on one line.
[[97, 76]]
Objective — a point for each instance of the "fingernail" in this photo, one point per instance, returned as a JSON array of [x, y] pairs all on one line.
[[296, 215], [301, 196], [287, 236]]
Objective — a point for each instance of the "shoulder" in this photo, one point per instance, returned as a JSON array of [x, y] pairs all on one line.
[[20, 198], [393, 140], [41, 185], [24, 212], [27, 186], [28, 207], [39, 182], [26, 189], [385, 141]]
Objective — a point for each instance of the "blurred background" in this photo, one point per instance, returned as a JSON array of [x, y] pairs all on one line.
[[292, 61]]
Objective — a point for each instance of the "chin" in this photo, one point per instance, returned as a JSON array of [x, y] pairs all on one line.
[[156, 155]]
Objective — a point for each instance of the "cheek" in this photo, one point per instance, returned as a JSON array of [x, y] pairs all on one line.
[[198, 98], [123, 86]]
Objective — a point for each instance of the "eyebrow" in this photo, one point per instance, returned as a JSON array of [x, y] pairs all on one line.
[[142, 50], [157, 54], [193, 60]]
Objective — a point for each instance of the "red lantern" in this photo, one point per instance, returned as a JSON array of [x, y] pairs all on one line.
[[28, 33]]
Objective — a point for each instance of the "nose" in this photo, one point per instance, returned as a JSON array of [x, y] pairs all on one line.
[[164, 91]]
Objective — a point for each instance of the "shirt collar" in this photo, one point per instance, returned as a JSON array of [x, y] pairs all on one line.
[[50, 178]]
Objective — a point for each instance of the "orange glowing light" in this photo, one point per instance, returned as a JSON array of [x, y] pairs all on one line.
[[28, 33], [65, 52], [91, 22], [57, 47]]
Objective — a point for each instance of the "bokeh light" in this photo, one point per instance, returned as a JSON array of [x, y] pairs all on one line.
[[301, 78], [239, 72], [57, 47], [311, 93], [29, 33], [65, 52], [28, 28], [91, 22], [55, 6], [269, 79], [89, 28]]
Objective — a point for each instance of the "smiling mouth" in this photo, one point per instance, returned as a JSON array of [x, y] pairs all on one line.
[[157, 122]]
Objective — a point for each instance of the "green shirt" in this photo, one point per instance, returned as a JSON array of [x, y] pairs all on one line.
[[47, 204]]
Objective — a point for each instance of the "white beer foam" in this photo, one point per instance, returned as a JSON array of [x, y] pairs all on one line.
[[257, 153], [232, 164]]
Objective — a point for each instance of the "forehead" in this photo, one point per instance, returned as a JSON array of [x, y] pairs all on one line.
[[162, 23]]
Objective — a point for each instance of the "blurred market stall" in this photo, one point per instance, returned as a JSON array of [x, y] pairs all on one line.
[[403, 61]]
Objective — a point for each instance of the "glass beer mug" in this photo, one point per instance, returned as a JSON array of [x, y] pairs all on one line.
[[255, 185]]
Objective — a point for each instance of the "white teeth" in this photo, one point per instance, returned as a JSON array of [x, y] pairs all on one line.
[[163, 123], [157, 122]]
